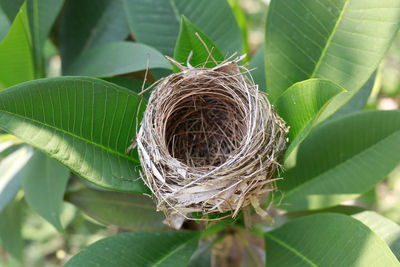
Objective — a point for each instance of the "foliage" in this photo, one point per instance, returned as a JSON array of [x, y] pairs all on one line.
[[66, 138]]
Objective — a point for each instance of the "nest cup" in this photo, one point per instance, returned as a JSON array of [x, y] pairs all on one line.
[[209, 141]]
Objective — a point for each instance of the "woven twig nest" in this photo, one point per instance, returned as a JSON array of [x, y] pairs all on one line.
[[209, 141]]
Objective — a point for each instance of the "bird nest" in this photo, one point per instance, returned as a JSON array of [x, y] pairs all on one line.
[[209, 141]]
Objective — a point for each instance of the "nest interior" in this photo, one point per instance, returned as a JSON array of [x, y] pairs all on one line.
[[206, 126], [209, 141]]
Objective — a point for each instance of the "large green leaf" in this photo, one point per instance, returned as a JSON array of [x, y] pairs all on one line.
[[301, 105], [38, 231], [11, 8], [133, 84], [326, 239], [10, 228], [156, 22], [348, 102], [202, 256], [16, 62], [44, 181], [139, 249], [7, 141], [4, 24], [342, 209], [243, 25], [84, 123], [357, 101], [342, 159], [10, 180], [86, 23], [41, 15], [115, 58], [127, 211], [338, 40], [257, 63], [188, 41], [385, 228]]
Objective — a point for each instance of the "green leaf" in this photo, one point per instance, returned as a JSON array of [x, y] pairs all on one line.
[[257, 62], [88, 23], [342, 159], [188, 41], [388, 230], [11, 8], [4, 24], [6, 142], [133, 84], [84, 123], [10, 228], [349, 102], [139, 249], [338, 40], [44, 181], [156, 22], [357, 101], [202, 256], [37, 230], [10, 169], [41, 15], [16, 63], [160, 73], [127, 211], [116, 58], [342, 209], [302, 104], [326, 240], [241, 19]]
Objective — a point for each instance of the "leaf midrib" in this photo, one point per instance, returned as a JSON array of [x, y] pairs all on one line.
[[291, 249], [174, 251], [175, 10], [328, 42], [72, 134], [313, 121], [27, 36], [341, 163]]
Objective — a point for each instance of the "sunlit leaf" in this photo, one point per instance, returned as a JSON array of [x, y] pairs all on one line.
[[16, 61], [301, 105], [326, 239], [340, 40], [342, 159], [385, 228], [85, 123], [188, 42], [10, 170], [139, 249]]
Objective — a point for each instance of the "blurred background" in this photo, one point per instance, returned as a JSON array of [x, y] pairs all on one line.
[[44, 246]]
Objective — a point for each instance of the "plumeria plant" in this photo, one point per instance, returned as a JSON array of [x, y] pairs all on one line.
[[70, 134]]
